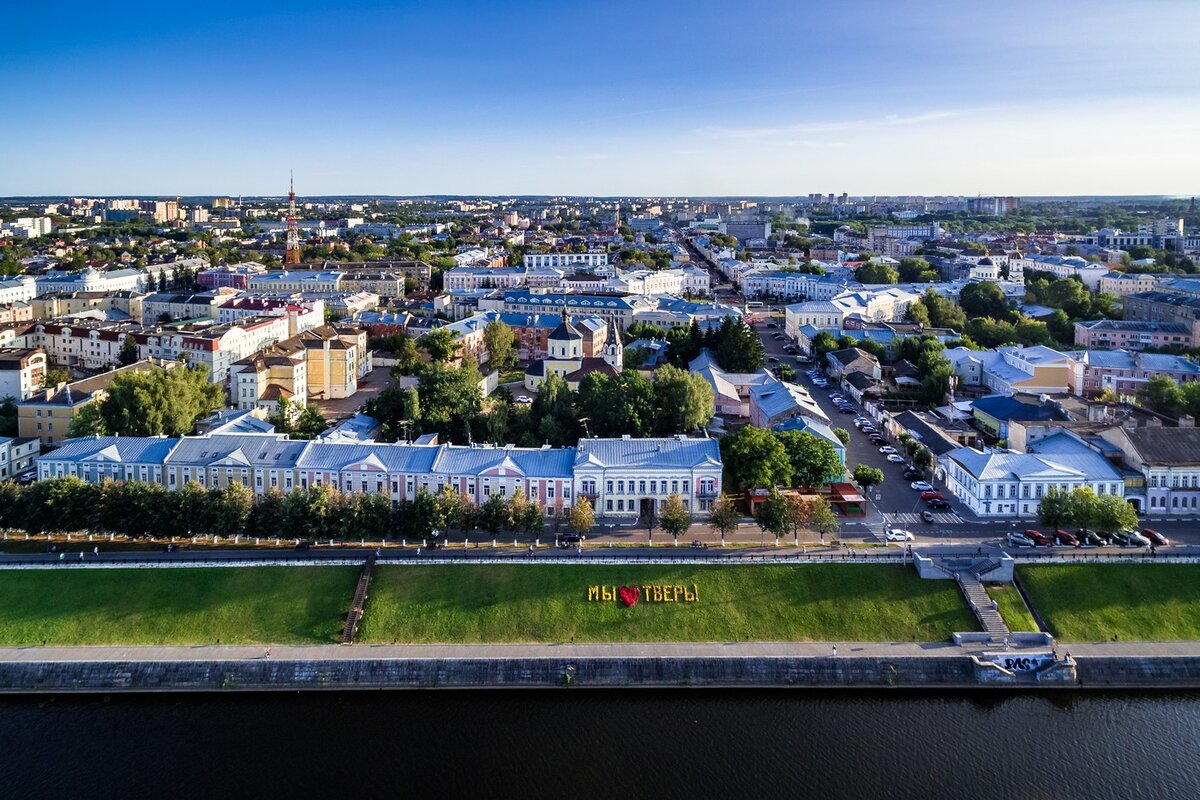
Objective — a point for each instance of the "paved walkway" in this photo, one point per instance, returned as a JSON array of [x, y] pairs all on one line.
[[567, 650]]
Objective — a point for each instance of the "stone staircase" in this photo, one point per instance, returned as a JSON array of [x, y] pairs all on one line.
[[360, 600], [983, 605]]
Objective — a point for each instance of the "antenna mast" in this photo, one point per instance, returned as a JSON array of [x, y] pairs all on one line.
[[292, 254]]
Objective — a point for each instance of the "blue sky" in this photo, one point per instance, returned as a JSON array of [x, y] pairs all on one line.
[[757, 97]]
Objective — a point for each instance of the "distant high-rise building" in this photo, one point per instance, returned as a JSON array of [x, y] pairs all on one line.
[[166, 211]]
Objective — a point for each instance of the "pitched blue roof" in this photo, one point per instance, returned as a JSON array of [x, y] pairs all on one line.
[[115, 449], [671, 452]]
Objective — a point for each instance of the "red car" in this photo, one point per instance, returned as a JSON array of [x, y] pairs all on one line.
[[932, 494], [1064, 537], [1039, 539], [1156, 538]]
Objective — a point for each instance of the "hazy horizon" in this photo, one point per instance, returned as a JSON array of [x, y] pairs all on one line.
[[466, 98]]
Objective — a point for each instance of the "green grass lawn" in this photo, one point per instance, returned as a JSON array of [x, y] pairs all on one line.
[[1012, 607], [548, 603], [236, 605], [1096, 602]]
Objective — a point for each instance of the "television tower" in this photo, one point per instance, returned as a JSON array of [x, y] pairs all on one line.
[[292, 254]]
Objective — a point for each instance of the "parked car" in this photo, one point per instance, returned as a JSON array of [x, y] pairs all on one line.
[[938, 504], [927, 516], [887, 449], [699, 545], [911, 472], [921, 486], [566, 540], [1091, 539], [846, 409], [898, 535], [1066, 538], [773, 359], [1156, 538], [931, 494], [1038, 538], [1019, 540], [895, 458], [1136, 539], [1121, 539]]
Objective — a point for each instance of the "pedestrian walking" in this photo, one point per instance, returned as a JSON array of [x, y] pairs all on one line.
[[81, 555], [95, 551], [835, 651], [267, 654]]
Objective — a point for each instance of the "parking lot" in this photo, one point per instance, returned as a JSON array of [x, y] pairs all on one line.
[[894, 503]]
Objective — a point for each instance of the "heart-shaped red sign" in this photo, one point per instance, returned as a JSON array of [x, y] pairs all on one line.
[[628, 595]]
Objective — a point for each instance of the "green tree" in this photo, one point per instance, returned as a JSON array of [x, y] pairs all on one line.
[[876, 273], [159, 402], [1164, 395], [582, 516], [440, 344], [773, 515], [1113, 513], [822, 344], [450, 401], [404, 349], [8, 416], [683, 401], [500, 342], [1084, 507], [674, 518], [229, 509], [493, 514], [756, 459], [984, 299], [1054, 510], [917, 270], [614, 406], [128, 353], [867, 476], [724, 517], [738, 347], [822, 518], [54, 376], [842, 434], [448, 507], [814, 460], [799, 511]]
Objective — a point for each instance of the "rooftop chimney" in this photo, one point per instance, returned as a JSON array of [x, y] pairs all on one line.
[[1187, 421]]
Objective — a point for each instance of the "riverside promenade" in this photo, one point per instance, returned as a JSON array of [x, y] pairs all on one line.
[[1030, 665]]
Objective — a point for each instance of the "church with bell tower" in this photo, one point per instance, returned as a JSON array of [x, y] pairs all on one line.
[[565, 356]]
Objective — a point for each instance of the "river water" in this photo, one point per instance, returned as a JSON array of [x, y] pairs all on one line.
[[609, 744]]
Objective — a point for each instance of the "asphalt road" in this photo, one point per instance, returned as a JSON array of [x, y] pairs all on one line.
[[894, 502], [593, 551]]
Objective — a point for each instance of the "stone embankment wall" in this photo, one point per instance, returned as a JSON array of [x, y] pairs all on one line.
[[951, 672]]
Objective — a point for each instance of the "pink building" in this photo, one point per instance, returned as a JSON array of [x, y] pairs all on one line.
[[1133, 334], [235, 276]]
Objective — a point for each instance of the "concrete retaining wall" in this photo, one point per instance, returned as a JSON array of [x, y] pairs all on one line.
[[951, 672]]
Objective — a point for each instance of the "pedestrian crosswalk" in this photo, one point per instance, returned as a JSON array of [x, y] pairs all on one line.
[[914, 518]]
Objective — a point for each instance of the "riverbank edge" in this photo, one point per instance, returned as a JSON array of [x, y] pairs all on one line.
[[753, 672]]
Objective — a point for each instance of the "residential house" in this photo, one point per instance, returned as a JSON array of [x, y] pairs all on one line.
[[1135, 334], [1006, 484], [47, 415]]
